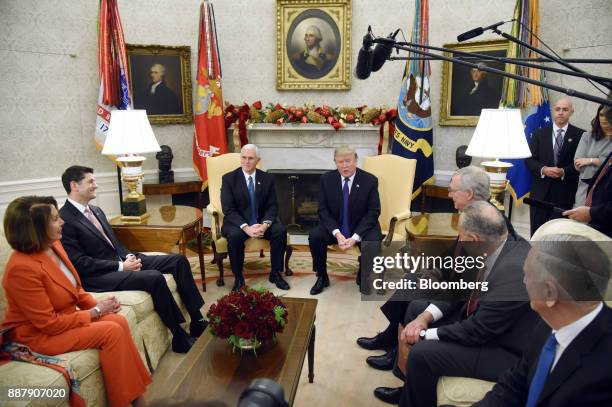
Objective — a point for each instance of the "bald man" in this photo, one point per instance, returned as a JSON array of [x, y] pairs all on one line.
[[554, 178]]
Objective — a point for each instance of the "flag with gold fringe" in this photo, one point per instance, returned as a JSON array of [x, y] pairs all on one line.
[[413, 136], [115, 87], [531, 99], [209, 137]]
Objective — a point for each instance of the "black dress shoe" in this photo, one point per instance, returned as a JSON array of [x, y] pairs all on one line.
[[275, 278], [383, 362], [389, 395], [197, 327], [317, 288], [182, 343], [238, 284], [379, 341]]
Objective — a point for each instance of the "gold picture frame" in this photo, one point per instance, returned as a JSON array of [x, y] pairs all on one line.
[[170, 102], [462, 99], [327, 23]]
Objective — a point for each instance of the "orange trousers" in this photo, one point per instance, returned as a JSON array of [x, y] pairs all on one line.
[[125, 375]]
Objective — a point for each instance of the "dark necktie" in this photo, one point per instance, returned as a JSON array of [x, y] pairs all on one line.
[[253, 201], [474, 295], [92, 218], [558, 145], [542, 369], [344, 229], [589, 199]]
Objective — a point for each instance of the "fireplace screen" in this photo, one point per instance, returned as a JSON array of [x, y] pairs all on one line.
[[298, 194]]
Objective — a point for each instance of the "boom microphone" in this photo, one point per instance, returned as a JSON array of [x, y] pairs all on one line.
[[382, 51], [364, 60], [543, 205], [468, 35]]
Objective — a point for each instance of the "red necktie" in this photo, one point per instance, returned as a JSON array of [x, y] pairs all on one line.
[[589, 199], [92, 218], [473, 301]]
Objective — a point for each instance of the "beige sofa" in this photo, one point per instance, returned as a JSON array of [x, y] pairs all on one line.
[[150, 335], [462, 392]]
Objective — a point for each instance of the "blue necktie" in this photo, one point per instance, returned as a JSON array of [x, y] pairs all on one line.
[[558, 145], [253, 199], [344, 229], [544, 364]]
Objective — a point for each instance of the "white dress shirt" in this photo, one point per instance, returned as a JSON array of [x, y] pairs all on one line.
[[568, 333], [355, 236]]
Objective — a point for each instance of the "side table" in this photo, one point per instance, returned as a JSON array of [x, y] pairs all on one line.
[[168, 226]]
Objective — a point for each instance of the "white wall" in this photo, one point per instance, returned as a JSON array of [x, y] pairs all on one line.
[[48, 63]]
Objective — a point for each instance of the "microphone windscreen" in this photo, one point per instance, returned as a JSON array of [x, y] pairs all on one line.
[[382, 52], [468, 35], [364, 64]]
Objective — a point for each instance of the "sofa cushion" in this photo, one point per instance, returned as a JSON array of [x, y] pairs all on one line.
[[460, 391], [139, 301]]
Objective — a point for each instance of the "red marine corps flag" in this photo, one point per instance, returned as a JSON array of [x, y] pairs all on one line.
[[209, 136]]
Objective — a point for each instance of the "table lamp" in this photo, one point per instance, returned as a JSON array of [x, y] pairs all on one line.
[[130, 134], [499, 134]]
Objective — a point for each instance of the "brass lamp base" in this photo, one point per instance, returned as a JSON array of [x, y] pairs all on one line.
[[134, 204], [497, 171]]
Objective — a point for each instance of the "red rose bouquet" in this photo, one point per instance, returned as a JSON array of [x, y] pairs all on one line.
[[248, 317]]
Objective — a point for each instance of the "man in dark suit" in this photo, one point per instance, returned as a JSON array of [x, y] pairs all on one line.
[[158, 98], [598, 205], [349, 207], [468, 184], [104, 264], [554, 178], [570, 365], [480, 337], [250, 208]]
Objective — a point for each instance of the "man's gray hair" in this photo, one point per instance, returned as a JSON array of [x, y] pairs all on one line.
[[162, 69], [483, 219], [475, 179], [251, 147], [576, 263], [314, 30]]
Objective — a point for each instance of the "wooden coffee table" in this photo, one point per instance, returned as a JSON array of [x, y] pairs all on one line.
[[212, 372]]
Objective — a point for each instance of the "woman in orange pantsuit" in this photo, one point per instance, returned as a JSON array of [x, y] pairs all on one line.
[[48, 308]]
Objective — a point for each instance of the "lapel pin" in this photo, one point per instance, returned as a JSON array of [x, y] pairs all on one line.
[[258, 183], [357, 185], [569, 139]]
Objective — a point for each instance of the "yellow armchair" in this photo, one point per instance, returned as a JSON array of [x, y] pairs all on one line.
[[395, 181], [217, 167]]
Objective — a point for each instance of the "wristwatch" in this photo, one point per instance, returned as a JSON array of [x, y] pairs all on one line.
[[267, 222], [422, 334], [98, 311]]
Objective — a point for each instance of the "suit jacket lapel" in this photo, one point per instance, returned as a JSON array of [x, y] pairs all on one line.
[[259, 188], [242, 186], [355, 189], [571, 358], [105, 226], [568, 139], [54, 271], [548, 146]]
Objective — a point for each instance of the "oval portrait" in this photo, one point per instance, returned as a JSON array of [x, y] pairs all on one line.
[[313, 43]]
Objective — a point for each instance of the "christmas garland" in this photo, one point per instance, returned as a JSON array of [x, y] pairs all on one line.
[[278, 114]]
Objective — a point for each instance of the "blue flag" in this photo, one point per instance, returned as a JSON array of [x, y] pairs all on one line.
[[413, 137], [519, 176]]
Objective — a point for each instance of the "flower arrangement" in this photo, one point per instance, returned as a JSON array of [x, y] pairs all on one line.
[[248, 317], [278, 114]]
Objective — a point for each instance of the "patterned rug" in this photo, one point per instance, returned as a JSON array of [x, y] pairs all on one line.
[[339, 265]]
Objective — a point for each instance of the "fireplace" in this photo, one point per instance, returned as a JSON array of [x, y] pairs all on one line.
[[297, 192]]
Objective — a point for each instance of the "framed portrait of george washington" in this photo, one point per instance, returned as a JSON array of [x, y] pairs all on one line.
[[313, 44], [161, 82], [466, 90]]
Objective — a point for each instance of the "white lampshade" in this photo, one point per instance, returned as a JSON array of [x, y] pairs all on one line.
[[499, 134], [129, 132]]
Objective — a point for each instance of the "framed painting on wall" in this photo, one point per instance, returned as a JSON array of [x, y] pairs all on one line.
[[313, 44], [161, 82], [466, 90]]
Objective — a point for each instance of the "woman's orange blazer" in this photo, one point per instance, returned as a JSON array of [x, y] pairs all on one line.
[[42, 302]]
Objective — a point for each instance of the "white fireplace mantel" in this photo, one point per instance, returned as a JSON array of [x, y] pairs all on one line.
[[309, 146]]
